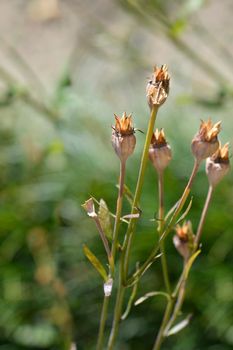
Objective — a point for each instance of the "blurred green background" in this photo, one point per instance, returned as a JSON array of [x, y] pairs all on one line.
[[65, 68]]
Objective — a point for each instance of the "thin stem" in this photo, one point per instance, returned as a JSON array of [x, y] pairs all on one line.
[[124, 261], [178, 209], [113, 251], [166, 317], [131, 227], [203, 216], [102, 323], [105, 242], [180, 289], [119, 208], [168, 312], [117, 313], [161, 200], [178, 305], [160, 229]]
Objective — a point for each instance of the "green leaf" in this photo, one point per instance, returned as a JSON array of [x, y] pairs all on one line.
[[186, 211], [95, 262], [190, 262], [149, 295], [171, 211], [179, 326], [105, 218]]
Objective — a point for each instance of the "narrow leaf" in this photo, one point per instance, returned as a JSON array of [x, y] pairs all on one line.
[[190, 262], [179, 326], [131, 299], [105, 218], [95, 262], [150, 263], [149, 295], [131, 216], [185, 273], [171, 211], [186, 211]]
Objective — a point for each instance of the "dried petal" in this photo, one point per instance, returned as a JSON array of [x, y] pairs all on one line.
[[218, 165], [205, 143], [158, 87], [184, 239], [123, 138], [90, 208], [124, 124]]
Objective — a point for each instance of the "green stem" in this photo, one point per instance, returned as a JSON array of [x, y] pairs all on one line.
[[203, 216], [166, 317], [178, 305], [130, 232], [113, 252], [102, 323], [178, 209], [119, 208], [179, 291], [131, 227], [160, 229], [117, 314]]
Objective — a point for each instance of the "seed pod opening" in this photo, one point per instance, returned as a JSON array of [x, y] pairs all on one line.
[[184, 239], [218, 165], [158, 87], [205, 143], [123, 138]]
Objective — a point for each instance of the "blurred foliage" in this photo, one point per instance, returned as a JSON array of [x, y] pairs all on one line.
[[56, 152]]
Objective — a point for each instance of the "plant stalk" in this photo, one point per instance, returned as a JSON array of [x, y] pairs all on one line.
[[166, 317], [117, 313], [160, 229], [124, 261], [113, 251], [203, 216], [102, 323], [169, 318], [178, 209], [118, 208], [131, 227]]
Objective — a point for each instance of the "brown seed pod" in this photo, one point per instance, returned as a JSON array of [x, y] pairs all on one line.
[[123, 138], [159, 152], [205, 143]]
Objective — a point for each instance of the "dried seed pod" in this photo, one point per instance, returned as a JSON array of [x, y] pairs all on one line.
[[218, 165], [184, 239], [158, 87], [89, 206], [123, 138], [159, 152], [205, 143]]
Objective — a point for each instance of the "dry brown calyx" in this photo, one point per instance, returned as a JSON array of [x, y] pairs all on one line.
[[123, 138], [205, 143], [159, 152], [158, 87], [184, 239], [124, 124], [218, 165]]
